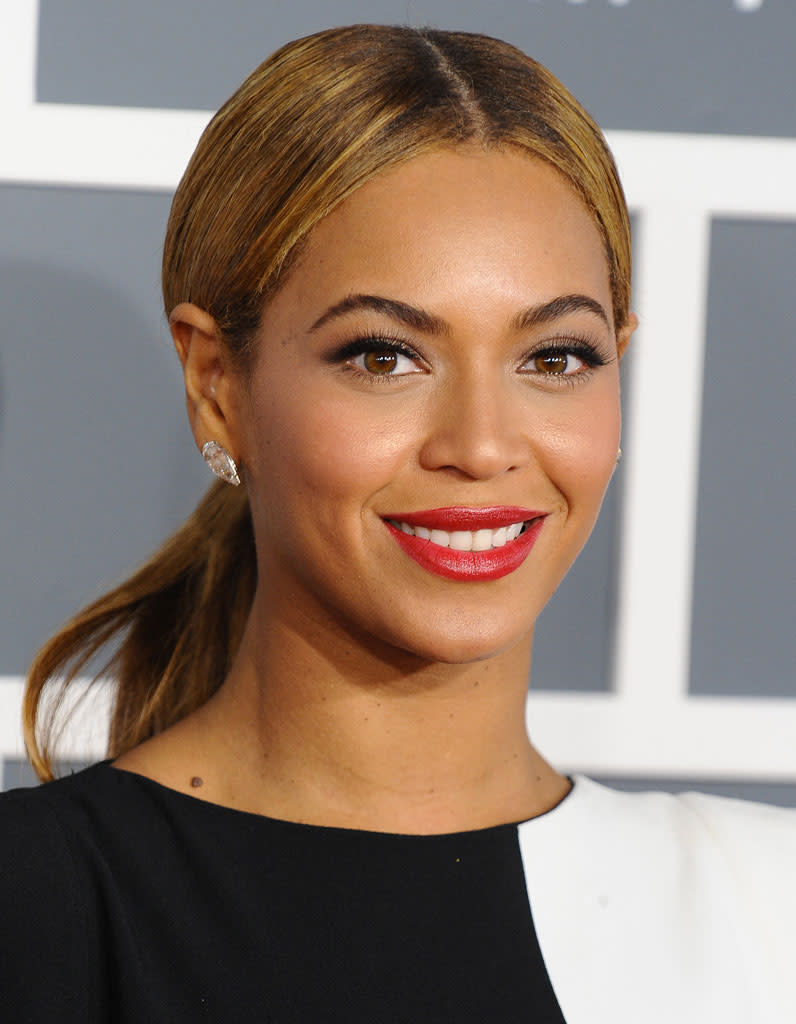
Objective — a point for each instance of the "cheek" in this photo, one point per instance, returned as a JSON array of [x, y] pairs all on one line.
[[327, 451], [581, 448]]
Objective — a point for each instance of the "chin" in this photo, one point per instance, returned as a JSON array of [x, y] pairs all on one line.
[[461, 642]]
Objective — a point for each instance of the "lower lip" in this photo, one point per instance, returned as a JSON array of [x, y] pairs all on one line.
[[469, 565]]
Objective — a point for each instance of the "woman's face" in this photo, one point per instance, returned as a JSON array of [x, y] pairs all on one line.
[[443, 356]]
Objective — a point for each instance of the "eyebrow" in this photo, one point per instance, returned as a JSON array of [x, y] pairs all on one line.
[[428, 323], [558, 307], [411, 316]]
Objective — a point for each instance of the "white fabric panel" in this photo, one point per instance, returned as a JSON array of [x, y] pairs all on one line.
[[656, 908]]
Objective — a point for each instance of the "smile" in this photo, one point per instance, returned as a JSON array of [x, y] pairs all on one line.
[[468, 544], [465, 540]]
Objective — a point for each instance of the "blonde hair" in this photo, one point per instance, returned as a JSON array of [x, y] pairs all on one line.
[[316, 120]]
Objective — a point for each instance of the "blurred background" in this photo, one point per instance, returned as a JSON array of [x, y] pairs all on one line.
[[666, 659]]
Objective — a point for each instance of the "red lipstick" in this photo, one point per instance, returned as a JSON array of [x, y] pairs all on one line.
[[468, 565]]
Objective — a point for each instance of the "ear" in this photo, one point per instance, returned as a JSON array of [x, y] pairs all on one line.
[[211, 384], [623, 336]]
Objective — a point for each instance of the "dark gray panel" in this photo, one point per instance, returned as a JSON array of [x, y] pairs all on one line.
[[17, 773], [742, 640], [667, 65], [781, 793], [96, 459], [572, 646]]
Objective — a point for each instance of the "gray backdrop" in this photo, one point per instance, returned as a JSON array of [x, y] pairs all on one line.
[[96, 460]]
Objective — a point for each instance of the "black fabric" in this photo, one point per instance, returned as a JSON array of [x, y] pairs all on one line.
[[122, 900]]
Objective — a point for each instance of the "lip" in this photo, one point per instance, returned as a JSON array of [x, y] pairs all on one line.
[[460, 517], [468, 566]]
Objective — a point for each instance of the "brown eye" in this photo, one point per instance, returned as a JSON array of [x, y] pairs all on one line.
[[551, 363], [380, 362]]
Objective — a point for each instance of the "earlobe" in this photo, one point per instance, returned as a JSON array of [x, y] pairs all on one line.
[[624, 335], [209, 385]]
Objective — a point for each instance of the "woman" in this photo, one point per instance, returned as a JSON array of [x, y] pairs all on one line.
[[397, 276]]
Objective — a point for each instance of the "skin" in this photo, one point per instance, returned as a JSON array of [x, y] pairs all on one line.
[[369, 692]]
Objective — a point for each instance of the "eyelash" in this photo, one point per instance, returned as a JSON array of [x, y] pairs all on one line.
[[572, 345], [374, 343], [580, 347]]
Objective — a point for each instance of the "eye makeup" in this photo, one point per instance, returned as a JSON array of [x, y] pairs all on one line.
[[383, 353], [559, 350], [370, 343], [589, 352]]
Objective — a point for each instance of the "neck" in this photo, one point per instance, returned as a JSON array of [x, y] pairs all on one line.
[[322, 728]]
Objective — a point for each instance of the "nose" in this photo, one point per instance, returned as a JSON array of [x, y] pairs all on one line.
[[476, 430]]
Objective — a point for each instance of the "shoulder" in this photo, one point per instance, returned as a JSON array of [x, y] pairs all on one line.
[[34, 830], [739, 832], [45, 905], [744, 823], [658, 808], [51, 816], [694, 895], [46, 833], [714, 845], [93, 825]]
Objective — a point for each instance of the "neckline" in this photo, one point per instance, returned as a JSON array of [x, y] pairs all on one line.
[[197, 803]]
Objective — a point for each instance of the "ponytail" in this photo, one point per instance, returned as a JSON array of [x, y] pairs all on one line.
[[178, 622]]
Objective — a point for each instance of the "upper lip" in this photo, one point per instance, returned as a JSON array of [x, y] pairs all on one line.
[[461, 517]]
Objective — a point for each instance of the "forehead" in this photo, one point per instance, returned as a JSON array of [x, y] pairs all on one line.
[[451, 226]]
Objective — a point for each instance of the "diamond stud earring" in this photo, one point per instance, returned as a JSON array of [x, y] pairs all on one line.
[[221, 462], [619, 456]]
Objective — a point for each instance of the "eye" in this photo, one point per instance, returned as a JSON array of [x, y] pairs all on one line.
[[557, 363], [385, 361], [568, 358], [376, 359]]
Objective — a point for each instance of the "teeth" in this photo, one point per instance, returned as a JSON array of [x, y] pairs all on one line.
[[464, 540], [483, 540], [500, 537]]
